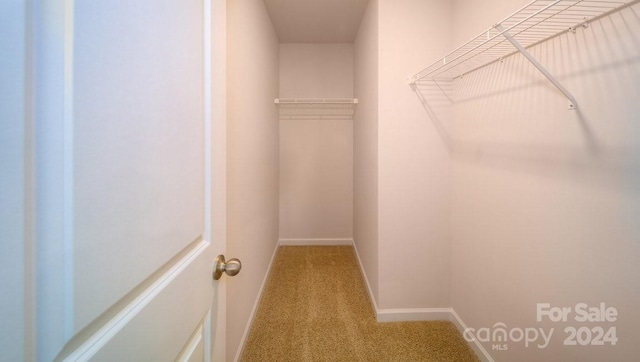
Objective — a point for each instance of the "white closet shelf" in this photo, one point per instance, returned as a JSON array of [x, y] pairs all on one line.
[[316, 108], [535, 22]]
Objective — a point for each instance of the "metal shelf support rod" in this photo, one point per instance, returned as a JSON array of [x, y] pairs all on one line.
[[572, 101]]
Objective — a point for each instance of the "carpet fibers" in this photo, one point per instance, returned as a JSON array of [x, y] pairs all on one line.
[[315, 308]]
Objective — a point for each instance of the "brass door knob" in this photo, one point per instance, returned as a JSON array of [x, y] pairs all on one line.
[[231, 267]]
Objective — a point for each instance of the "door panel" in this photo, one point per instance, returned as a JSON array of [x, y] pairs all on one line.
[[178, 308], [130, 179], [138, 157], [194, 350]]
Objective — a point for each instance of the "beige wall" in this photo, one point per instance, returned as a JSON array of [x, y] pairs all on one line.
[[316, 182], [365, 146], [414, 160], [252, 156], [545, 200], [316, 155], [316, 70]]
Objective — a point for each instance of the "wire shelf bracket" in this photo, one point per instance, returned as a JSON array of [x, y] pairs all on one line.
[[573, 104], [532, 24]]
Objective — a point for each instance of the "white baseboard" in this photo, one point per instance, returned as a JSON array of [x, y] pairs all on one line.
[[480, 351], [374, 305], [315, 242], [420, 314], [252, 315], [413, 314], [400, 315]]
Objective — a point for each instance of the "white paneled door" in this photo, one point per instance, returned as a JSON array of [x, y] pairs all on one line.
[[127, 194]]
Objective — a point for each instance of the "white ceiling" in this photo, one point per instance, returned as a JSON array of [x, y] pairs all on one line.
[[316, 21]]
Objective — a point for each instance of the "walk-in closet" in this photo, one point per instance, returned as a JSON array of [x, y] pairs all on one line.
[[319, 180], [479, 155]]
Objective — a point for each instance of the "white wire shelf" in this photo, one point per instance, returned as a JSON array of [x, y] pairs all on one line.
[[535, 22], [316, 108]]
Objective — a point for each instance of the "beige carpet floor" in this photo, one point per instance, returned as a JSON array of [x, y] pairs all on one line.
[[315, 308]]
